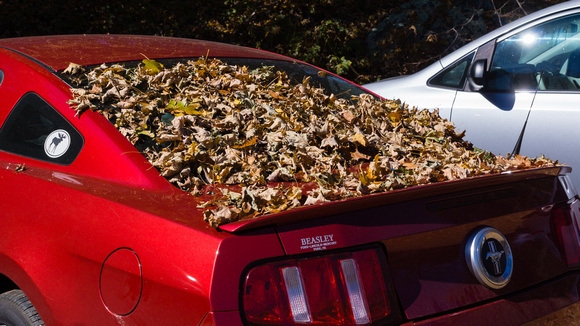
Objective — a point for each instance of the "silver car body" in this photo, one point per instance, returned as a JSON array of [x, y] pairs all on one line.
[[494, 119]]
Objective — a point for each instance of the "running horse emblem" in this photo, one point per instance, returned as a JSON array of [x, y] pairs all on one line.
[[495, 256]]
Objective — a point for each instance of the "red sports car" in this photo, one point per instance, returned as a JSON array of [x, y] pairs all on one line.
[[91, 234]]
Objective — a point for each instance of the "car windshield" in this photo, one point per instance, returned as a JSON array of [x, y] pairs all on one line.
[[296, 71]]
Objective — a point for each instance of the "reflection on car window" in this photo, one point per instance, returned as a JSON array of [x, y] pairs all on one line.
[[34, 129], [455, 75], [544, 57]]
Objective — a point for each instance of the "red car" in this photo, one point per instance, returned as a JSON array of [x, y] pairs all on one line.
[[91, 234]]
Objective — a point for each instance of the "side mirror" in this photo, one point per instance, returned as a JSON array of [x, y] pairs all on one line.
[[477, 72]]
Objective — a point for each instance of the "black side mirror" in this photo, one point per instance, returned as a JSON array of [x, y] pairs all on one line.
[[477, 72]]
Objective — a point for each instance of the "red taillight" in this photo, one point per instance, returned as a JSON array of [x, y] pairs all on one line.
[[338, 289], [567, 235]]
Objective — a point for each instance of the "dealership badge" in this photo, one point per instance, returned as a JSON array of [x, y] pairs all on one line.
[[57, 143], [489, 258]]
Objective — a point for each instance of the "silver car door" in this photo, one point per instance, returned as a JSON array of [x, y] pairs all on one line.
[[553, 130], [492, 121], [492, 115]]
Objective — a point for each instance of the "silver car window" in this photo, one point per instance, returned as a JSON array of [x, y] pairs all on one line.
[[454, 76], [545, 57]]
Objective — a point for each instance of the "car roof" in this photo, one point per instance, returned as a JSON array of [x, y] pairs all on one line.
[[59, 51]]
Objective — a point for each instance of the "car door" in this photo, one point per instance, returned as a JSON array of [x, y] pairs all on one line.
[[530, 88], [492, 116]]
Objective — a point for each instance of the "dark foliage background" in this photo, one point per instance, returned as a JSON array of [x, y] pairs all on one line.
[[363, 40]]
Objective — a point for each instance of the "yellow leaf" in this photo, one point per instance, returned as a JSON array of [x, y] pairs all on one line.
[[192, 109], [363, 177], [359, 139], [373, 169], [281, 113], [395, 117], [250, 142], [152, 66]]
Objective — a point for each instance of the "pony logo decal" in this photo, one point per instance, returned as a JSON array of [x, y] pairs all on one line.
[[57, 143]]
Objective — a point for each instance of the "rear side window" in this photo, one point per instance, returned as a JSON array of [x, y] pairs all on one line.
[[455, 75], [35, 129]]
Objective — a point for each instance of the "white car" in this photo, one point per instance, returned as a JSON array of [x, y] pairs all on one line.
[[516, 89]]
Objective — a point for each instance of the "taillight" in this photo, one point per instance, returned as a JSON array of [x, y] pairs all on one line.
[[337, 289], [567, 235]]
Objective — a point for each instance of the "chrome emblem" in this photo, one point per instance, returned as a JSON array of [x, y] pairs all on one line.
[[489, 258]]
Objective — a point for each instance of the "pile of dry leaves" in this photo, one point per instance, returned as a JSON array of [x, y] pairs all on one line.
[[284, 144]]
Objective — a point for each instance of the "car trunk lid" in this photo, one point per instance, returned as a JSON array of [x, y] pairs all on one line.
[[425, 231]]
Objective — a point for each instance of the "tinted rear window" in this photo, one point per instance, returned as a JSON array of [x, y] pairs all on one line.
[[297, 71]]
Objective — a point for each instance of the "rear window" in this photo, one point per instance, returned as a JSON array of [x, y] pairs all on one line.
[[297, 71]]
